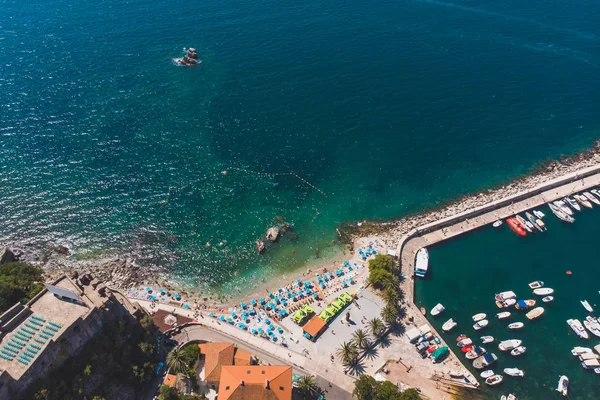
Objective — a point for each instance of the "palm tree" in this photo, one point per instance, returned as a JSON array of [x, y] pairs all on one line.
[[347, 352], [389, 313], [361, 339], [391, 283], [377, 326], [176, 361], [308, 388], [391, 296]]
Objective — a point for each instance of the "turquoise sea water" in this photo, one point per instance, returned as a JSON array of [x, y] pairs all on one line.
[[387, 108], [466, 273]]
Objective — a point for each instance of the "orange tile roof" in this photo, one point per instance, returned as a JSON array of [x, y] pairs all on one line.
[[241, 357], [314, 326], [217, 355], [170, 380], [250, 383]]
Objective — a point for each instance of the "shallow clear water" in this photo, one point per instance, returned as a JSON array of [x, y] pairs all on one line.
[[387, 108], [467, 272]]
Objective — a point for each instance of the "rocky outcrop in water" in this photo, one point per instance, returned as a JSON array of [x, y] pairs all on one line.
[[190, 59], [7, 255], [272, 234], [260, 246]]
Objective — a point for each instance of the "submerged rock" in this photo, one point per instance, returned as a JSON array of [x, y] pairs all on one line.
[[260, 246], [189, 60], [272, 234]]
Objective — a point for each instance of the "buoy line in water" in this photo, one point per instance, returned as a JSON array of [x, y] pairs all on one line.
[[273, 174]]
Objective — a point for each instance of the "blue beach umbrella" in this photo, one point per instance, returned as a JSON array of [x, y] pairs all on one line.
[[243, 305], [262, 300], [211, 314], [148, 289], [234, 315], [253, 302], [186, 306], [221, 318], [230, 320]]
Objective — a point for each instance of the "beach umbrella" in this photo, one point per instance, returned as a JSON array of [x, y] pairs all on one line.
[[186, 306], [253, 302], [260, 330], [280, 330], [262, 300], [211, 314], [234, 315], [254, 331], [221, 318], [271, 295], [279, 288], [306, 335], [230, 320], [243, 305], [267, 321], [298, 281], [316, 296], [271, 327], [148, 289]]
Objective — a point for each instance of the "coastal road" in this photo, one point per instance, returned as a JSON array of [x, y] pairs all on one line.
[[202, 333]]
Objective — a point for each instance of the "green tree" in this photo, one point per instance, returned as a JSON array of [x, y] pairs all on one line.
[[176, 361], [361, 339], [168, 393], [381, 278], [410, 394], [389, 313], [383, 261], [308, 388], [391, 296], [392, 283], [364, 387], [386, 391], [42, 395], [377, 327], [347, 353], [19, 281]]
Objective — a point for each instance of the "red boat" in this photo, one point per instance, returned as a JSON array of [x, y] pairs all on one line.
[[516, 226], [466, 349], [461, 337]]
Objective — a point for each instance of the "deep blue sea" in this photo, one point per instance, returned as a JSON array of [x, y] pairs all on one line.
[[386, 107]]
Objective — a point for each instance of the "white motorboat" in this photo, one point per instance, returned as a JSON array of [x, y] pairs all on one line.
[[422, 262], [588, 356], [536, 284], [487, 373], [597, 348], [597, 370], [480, 324], [516, 325], [591, 198], [578, 328], [509, 397], [478, 317], [494, 380], [578, 350], [587, 306], [527, 225], [476, 352], [487, 339], [560, 214], [506, 303], [592, 325], [514, 372], [563, 207], [595, 192], [543, 291], [539, 214], [525, 304], [563, 385], [435, 311], [517, 351], [572, 203], [541, 225], [590, 364], [548, 299], [485, 360], [509, 294], [464, 342], [510, 344], [582, 200], [535, 313], [503, 315], [449, 325], [456, 374], [497, 224]]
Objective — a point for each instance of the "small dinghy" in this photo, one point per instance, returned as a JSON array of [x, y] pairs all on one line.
[[478, 317], [514, 372], [435, 311], [449, 325], [487, 373], [507, 345], [536, 284], [543, 291], [524, 304], [548, 299], [518, 351], [535, 313], [510, 302], [497, 224], [466, 349], [587, 306], [461, 337], [516, 325], [563, 385], [480, 324], [465, 342], [494, 380], [503, 315], [538, 214], [487, 339], [578, 350]]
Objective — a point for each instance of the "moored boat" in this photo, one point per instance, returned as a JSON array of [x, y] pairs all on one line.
[[485, 360], [503, 315], [561, 214], [582, 200], [524, 223], [466, 349], [548, 299], [590, 364], [541, 225], [422, 262], [435, 311], [509, 397], [478, 317], [494, 380], [578, 350], [517, 351], [448, 325], [487, 339], [578, 328], [536, 284], [480, 324], [524, 304], [487, 373], [563, 207], [595, 192], [535, 313], [572, 203], [456, 374], [514, 372], [591, 197], [516, 226], [506, 303], [533, 220], [476, 352], [587, 306], [592, 325], [516, 325], [461, 337], [464, 342], [588, 356], [563, 385], [539, 214], [543, 291], [510, 344], [497, 224]]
